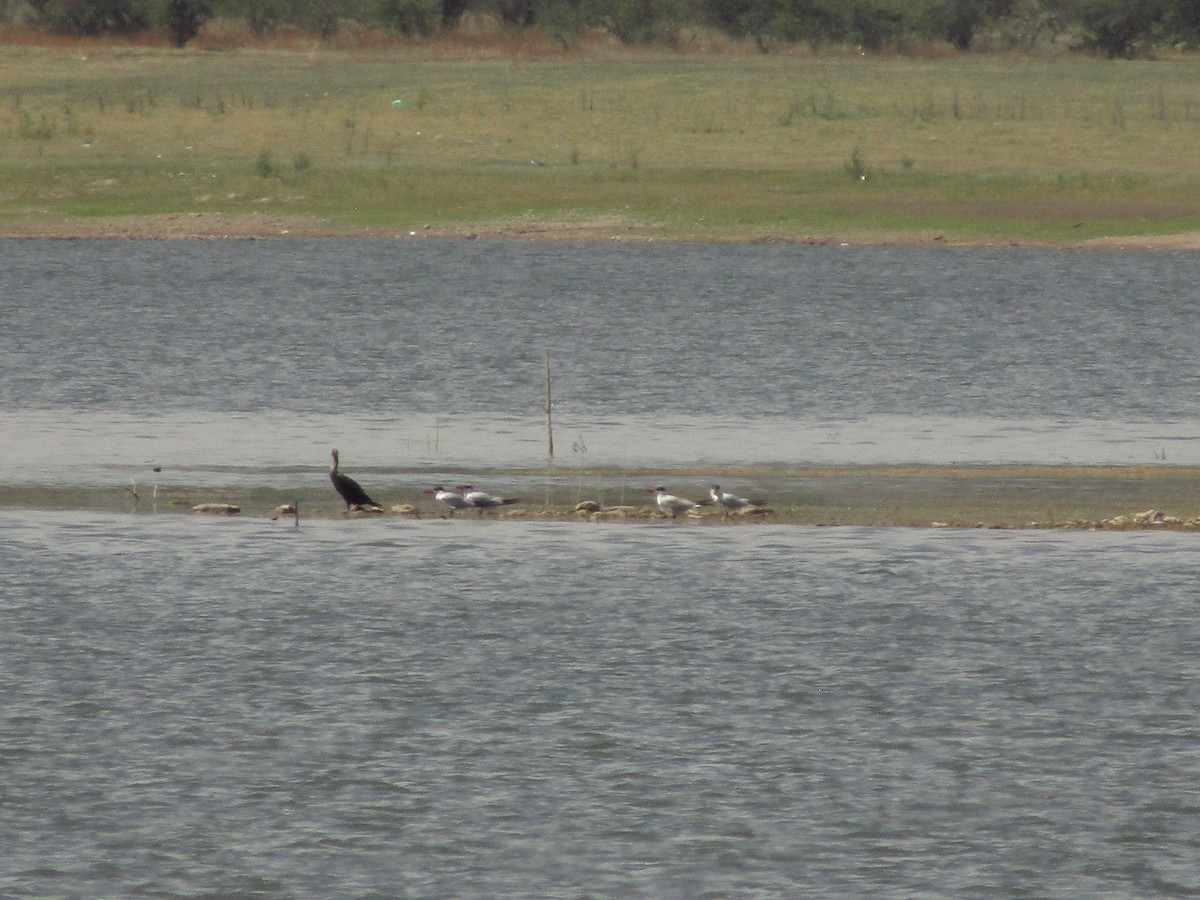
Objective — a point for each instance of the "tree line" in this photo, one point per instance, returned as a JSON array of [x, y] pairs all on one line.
[[1115, 28]]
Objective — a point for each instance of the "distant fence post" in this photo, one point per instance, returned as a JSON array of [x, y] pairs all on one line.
[[549, 421]]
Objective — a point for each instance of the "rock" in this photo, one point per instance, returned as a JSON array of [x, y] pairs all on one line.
[[217, 509], [611, 513]]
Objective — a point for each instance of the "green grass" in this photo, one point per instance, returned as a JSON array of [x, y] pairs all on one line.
[[725, 146]]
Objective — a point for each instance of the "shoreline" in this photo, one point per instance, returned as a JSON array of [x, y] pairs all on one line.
[[1010, 496], [262, 226]]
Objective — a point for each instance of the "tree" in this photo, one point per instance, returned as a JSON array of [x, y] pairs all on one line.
[[92, 17], [452, 11], [1114, 27], [958, 21], [262, 16], [324, 17], [1181, 20], [814, 21], [875, 24], [410, 17], [184, 18], [516, 13], [645, 21]]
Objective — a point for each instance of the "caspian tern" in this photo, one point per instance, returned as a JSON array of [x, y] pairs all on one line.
[[452, 499], [483, 501], [349, 489], [669, 503], [727, 501]]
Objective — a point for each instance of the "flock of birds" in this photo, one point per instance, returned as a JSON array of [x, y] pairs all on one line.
[[729, 503], [464, 496]]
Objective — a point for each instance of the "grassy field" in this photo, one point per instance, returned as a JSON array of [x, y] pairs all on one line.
[[598, 143]]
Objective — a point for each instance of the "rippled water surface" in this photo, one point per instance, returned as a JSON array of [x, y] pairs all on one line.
[[432, 709], [394, 708], [203, 356]]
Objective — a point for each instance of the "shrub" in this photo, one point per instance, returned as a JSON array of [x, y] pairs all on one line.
[[93, 17], [410, 17], [184, 18], [264, 165], [1114, 27], [856, 166]]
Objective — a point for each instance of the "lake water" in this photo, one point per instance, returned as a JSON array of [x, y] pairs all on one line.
[[390, 708], [215, 360], [464, 709]]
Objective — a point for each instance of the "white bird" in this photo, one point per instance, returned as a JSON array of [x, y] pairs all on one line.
[[669, 503], [451, 499], [727, 501], [484, 501]]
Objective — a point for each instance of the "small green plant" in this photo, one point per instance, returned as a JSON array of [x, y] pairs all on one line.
[[856, 166], [41, 130], [794, 111], [826, 108], [264, 165], [926, 110], [301, 162], [1118, 115]]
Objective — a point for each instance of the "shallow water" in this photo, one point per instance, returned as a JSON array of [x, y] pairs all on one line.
[[243, 708], [198, 707], [234, 359]]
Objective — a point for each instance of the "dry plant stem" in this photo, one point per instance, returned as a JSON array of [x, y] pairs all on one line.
[[549, 421]]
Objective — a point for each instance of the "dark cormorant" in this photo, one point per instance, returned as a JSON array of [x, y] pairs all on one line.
[[350, 489]]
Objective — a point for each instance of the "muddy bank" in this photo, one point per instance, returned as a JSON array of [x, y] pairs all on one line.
[[1029, 496], [263, 226]]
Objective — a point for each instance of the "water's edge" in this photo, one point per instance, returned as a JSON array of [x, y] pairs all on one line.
[[1008, 496]]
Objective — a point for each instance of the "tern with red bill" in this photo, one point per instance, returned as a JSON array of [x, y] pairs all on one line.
[[484, 501], [727, 501], [452, 499]]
